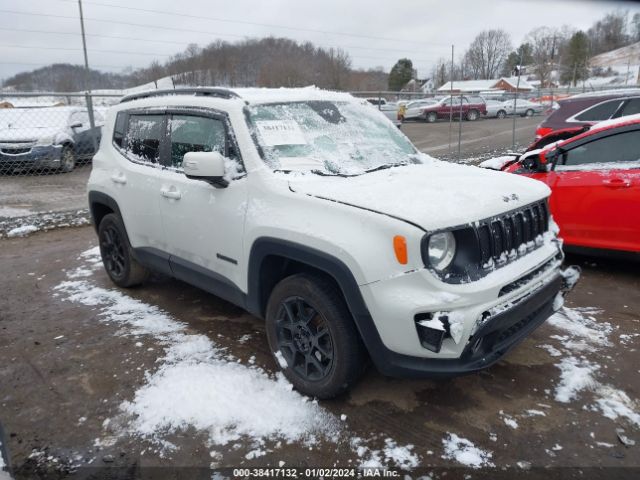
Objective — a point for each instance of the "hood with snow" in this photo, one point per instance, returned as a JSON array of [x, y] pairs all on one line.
[[434, 195], [32, 134]]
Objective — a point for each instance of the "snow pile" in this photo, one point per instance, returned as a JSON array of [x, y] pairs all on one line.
[[19, 226], [465, 452], [22, 231]]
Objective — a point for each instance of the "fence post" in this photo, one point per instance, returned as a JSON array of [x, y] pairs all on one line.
[[459, 126], [88, 99]]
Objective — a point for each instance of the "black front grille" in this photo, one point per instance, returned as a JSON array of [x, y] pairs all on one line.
[[16, 150], [501, 237]]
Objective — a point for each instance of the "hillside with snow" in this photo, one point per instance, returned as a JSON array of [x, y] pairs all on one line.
[[624, 64]]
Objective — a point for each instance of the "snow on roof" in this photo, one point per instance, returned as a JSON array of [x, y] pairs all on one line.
[[614, 122], [273, 95], [468, 85], [513, 81], [484, 85]]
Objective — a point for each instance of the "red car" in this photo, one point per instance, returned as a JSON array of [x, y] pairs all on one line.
[[595, 181], [471, 108]]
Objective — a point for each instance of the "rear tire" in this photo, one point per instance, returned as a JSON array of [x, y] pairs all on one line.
[[117, 255], [431, 117], [472, 115], [310, 329], [529, 113], [67, 159], [501, 114]]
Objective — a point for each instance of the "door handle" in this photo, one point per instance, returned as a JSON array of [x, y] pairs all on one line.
[[119, 178], [617, 182], [171, 193]]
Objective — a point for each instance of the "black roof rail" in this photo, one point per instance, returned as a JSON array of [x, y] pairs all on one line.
[[203, 91]]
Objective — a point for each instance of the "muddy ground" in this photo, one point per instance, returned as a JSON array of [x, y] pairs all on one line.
[[64, 373]]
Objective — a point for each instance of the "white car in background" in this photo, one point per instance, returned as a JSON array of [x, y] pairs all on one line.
[[524, 108], [414, 109]]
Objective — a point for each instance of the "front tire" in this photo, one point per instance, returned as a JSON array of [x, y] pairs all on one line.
[[67, 159], [117, 254], [431, 117], [313, 337], [528, 113]]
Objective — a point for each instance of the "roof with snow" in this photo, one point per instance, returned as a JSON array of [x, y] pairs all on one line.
[[484, 85]]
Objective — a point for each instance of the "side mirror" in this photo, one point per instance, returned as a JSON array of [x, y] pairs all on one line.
[[207, 166], [75, 125], [547, 160]]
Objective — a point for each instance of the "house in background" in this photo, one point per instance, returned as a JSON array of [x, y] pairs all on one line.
[[504, 84]]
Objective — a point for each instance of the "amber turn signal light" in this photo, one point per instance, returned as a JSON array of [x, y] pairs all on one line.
[[400, 248]]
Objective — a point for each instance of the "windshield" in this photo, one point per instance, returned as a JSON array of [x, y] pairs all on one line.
[[339, 138]]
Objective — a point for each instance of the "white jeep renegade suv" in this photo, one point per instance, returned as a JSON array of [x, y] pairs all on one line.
[[314, 212]]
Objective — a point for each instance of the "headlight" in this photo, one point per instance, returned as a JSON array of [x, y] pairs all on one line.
[[44, 141], [441, 250]]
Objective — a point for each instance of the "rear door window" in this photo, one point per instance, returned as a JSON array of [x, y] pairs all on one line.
[[599, 112], [144, 137]]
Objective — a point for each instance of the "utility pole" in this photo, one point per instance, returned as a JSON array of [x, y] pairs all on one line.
[[515, 102], [87, 88], [451, 100]]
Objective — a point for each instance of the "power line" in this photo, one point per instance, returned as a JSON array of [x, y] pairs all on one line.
[[49, 64], [245, 22], [39, 47], [138, 39]]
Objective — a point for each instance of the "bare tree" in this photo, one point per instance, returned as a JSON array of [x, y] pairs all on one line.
[[543, 41], [487, 53]]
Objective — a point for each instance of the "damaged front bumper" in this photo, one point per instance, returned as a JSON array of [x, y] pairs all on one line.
[[493, 338]]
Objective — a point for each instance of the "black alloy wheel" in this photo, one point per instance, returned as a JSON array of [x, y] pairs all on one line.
[[304, 339]]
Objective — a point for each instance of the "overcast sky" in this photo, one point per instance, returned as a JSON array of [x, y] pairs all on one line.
[[374, 33]]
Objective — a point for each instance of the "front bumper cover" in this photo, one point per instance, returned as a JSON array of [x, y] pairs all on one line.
[[491, 341]]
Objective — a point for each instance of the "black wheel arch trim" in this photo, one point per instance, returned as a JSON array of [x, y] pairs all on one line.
[[99, 198], [267, 246]]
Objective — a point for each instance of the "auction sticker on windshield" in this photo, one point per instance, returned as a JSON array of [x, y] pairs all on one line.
[[280, 132]]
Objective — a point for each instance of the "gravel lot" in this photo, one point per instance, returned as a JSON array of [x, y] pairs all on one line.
[[80, 362]]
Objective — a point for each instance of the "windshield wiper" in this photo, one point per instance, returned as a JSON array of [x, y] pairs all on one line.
[[386, 166], [325, 174]]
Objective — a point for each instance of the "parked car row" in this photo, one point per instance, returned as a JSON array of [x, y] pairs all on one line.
[[470, 107]]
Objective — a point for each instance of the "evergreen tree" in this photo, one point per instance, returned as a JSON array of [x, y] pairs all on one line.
[[400, 74], [577, 61]]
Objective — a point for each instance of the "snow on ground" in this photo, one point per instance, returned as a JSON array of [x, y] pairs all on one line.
[[584, 333], [22, 231], [21, 226], [198, 385], [465, 452], [402, 456]]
